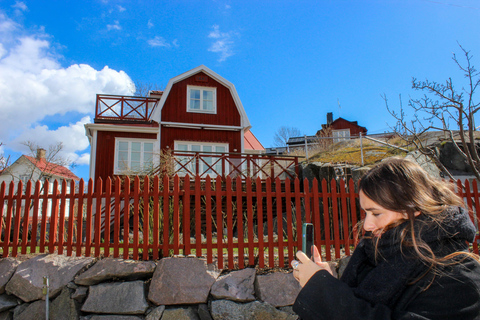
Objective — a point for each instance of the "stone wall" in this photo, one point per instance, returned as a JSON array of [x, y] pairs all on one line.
[[171, 288]]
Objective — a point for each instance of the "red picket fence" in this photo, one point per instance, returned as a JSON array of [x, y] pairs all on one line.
[[232, 222]]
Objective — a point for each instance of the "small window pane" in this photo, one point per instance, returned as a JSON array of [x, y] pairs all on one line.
[[182, 147], [135, 156], [136, 146], [207, 148], [123, 146], [196, 148], [207, 95], [220, 149], [195, 104], [147, 157], [135, 166], [207, 105], [195, 94], [122, 166], [148, 147], [122, 156]]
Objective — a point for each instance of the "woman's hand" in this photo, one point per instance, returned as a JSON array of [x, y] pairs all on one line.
[[307, 268]]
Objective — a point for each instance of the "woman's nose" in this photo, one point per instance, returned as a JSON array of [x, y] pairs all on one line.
[[368, 224]]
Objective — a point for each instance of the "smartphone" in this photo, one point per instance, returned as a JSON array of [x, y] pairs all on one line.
[[307, 239]]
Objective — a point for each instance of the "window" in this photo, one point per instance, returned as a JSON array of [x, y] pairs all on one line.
[[208, 162], [133, 156], [24, 178], [340, 135], [201, 99]]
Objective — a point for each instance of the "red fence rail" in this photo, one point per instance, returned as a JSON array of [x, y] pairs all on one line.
[[112, 107], [232, 222], [235, 165]]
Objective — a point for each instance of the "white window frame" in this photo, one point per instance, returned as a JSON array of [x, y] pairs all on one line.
[[120, 171], [340, 135], [203, 167], [202, 89]]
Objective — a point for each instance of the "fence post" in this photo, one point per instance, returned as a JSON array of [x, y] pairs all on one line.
[[361, 147]]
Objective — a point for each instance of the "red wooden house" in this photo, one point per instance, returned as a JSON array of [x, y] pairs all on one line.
[[199, 112], [341, 129]]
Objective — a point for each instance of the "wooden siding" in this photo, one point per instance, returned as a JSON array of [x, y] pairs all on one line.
[[105, 153], [175, 107], [345, 124], [170, 135]]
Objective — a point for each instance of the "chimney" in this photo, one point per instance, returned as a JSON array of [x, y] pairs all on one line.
[[329, 118], [41, 153]]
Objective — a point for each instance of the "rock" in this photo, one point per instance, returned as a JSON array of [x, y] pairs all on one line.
[[33, 311], [342, 264], [7, 302], [80, 294], [181, 281], [358, 173], [256, 310], [63, 307], [186, 313], [7, 315], [236, 286], [7, 268], [111, 268], [27, 281], [278, 289], [203, 312], [155, 314], [333, 266], [116, 298], [452, 159], [424, 162], [110, 317]]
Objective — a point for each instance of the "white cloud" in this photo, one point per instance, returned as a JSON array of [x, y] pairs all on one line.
[[161, 42], [121, 9], [71, 135], [150, 24], [115, 26], [20, 5], [223, 43], [36, 89]]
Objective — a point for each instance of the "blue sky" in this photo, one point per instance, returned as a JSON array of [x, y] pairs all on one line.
[[291, 61]]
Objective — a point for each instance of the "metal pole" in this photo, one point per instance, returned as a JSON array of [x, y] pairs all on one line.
[[46, 289], [361, 147]]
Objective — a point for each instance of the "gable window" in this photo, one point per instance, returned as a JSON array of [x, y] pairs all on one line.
[[201, 99], [340, 135], [133, 156], [209, 163]]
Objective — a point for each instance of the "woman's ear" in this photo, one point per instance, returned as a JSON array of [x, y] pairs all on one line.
[[417, 213]]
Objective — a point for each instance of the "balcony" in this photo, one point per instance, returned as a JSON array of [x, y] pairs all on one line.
[[112, 108], [234, 165]]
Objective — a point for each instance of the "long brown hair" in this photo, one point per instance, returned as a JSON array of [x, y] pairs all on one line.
[[403, 186]]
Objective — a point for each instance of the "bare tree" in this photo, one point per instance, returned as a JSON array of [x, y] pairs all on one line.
[[53, 160], [446, 108], [283, 134], [4, 160], [142, 89]]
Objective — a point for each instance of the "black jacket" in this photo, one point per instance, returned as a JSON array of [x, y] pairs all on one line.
[[373, 289]]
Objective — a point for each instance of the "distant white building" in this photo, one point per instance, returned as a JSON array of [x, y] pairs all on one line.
[[36, 169]]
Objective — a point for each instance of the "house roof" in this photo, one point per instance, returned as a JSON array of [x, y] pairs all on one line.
[[156, 115], [52, 168], [251, 142], [355, 123]]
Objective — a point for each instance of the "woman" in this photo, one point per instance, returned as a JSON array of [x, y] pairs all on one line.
[[411, 263]]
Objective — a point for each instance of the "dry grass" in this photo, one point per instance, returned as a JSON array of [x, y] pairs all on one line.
[[349, 152]]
